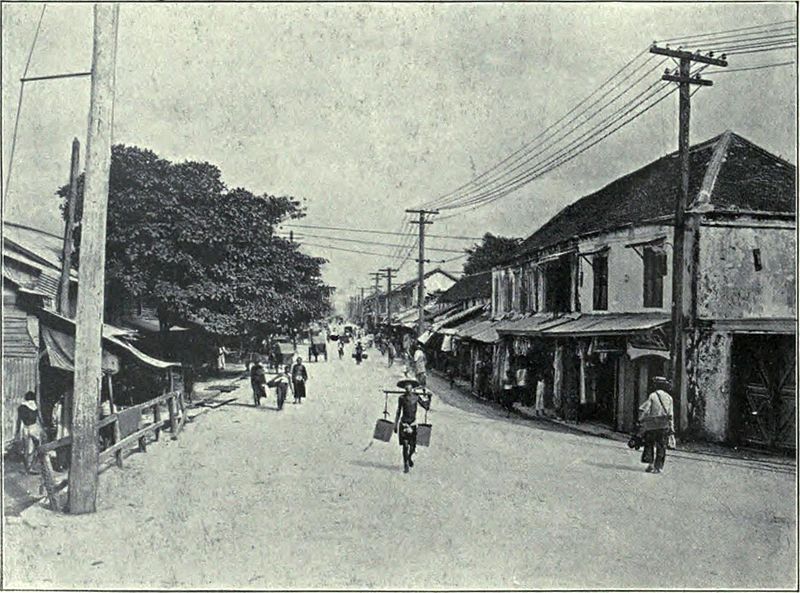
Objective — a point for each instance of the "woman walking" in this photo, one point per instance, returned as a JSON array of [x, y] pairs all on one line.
[[299, 378]]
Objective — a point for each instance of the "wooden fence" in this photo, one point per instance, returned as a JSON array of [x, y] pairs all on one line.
[[126, 433]]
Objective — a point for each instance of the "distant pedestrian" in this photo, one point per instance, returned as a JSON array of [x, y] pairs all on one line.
[[258, 382], [391, 351], [509, 385], [420, 362], [313, 351], [340, 347], [656, 424], [283, 383], [405, 421], [359, 353], [221, 352], [299, 379], [28, 430]]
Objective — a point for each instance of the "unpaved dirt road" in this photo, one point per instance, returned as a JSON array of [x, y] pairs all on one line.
[[254, 498]]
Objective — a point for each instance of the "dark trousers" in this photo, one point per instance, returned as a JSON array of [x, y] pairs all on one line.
[[280, 391], [655, 439]]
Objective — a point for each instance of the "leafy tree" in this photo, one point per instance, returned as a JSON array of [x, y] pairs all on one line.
[[491, 251], [178, 238]]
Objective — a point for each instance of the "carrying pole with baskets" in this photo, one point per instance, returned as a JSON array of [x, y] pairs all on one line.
[[384, 427]]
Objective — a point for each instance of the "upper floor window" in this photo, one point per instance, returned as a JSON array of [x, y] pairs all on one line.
[[509, 292], [600, 282], [558, 285], [655, 268]]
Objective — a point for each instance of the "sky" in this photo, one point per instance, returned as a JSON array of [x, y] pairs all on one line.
[[364, 110]]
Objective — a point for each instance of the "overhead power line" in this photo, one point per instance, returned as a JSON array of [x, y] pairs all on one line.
[[714, 33], [357, 230], [544, 134], [365, 242], [19, 103], [758, 51], [756, 67], [359, 251], [525, 166]]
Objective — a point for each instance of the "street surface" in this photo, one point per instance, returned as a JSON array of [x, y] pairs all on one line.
[[254, 498]]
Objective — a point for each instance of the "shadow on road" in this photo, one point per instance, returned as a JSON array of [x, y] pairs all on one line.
[[375, 465], [615, 466]]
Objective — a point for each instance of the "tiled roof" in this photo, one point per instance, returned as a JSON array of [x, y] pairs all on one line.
[[474, 286], [749, 179]]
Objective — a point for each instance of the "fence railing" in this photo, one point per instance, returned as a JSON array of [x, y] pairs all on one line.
[[126, 432]]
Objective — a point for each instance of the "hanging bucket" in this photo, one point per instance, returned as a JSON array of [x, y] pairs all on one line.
[[383, 430], [424, 435]]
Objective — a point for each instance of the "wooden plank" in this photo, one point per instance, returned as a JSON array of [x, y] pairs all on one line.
[[117, 440], [173, 420], [129, 441], [157, 420], [49, 481]]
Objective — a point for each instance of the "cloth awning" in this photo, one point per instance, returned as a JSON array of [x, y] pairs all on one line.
[[423, 339], [532, 324], [59, 336], [60, 349], [608, 324]]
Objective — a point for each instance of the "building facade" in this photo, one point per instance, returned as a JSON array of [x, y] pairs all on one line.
[[584, 306]]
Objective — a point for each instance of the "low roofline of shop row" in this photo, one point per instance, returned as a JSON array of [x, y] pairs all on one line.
[[710, 215]]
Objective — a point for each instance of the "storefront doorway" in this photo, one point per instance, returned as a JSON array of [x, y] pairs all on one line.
[[763, 410]]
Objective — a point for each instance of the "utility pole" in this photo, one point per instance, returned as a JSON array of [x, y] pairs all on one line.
[[389, 272], [69, 227], [421, 266], [681, 305], [376, 276], [91, 272], [361, 306]]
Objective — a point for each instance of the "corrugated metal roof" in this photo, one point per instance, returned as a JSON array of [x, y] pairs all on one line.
[[608, 324], [533, 324], [438, 325]]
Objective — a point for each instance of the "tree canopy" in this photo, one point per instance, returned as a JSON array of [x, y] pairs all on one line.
[[198, 251], [491, 251]]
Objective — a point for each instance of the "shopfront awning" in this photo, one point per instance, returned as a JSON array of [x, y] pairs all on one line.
[[482, 330], [609, 324], [59, 339], [532, 325], [452, 319]]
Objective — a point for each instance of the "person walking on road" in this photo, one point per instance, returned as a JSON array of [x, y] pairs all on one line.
[[390, 352], [340, 346], [359, 353], [657, 425], [299, 379], [283, 383], [258, 382], [420, 371], [405, 421]]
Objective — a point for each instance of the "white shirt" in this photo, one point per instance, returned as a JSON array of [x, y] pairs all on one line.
[[652, 406], [419, 361]]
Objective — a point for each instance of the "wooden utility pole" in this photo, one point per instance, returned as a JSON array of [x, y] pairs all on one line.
[[69, 227], [421, 266], [91, 269], [376, 276], [389, 272], [361, 306], [681, 306]]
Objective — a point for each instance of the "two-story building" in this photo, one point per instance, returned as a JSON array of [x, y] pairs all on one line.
[[585, 303]]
